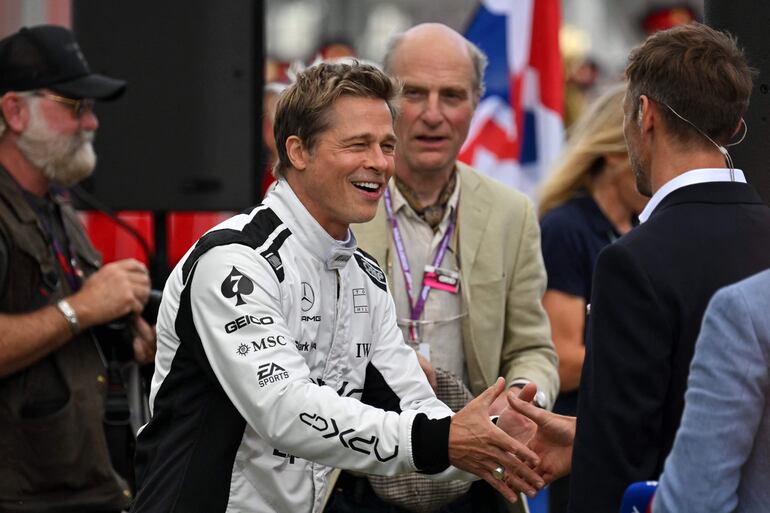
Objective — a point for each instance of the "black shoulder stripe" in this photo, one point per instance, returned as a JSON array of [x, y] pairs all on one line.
[[253, 235], [367, 255], [372, 270], [272, 256]]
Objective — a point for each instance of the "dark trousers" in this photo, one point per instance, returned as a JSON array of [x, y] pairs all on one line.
[[354, 494], [558, 495]]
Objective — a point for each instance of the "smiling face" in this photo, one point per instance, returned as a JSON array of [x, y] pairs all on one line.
[[437, 102], [342, 178]]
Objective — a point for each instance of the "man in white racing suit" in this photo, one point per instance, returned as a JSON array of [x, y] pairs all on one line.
[[278, 354]]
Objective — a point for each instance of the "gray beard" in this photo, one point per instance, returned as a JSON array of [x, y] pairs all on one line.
[[63, 159]]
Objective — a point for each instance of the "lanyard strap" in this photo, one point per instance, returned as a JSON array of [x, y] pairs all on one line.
[[65, 257], [416, 308]]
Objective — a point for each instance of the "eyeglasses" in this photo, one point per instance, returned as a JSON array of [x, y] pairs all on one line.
[[78, 106]]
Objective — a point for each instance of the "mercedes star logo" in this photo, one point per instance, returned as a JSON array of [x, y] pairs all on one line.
[[308, 297]]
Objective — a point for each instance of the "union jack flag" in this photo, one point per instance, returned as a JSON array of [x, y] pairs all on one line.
[[517, 130]]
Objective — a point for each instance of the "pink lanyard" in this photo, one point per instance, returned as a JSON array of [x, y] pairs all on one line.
[[416, 309]]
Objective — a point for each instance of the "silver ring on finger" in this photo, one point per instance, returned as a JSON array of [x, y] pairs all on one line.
[[499, 473]]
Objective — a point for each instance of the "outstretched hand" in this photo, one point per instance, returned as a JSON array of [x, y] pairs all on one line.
[[514, 423], [553, 440], [478, 446]]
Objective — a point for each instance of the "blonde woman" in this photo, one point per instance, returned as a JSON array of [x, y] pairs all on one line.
[[589, 200]]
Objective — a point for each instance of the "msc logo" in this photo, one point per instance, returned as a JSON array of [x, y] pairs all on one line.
[[308, 297], [236, 285], [243, 349], [245, 320], [268, 373], [268, 342]]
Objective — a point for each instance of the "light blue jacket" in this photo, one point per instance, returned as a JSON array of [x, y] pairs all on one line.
[[721, 457]]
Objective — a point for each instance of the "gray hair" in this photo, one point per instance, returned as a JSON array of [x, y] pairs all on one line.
[[479, 61], [29, 95]]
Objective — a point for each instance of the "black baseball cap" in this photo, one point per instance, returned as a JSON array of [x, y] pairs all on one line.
[[47, 56]]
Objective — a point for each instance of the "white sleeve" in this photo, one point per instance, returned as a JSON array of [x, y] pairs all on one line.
[[400, 370], [272, 389]]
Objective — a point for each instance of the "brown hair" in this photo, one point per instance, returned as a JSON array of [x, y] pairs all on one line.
[[303, 108], [699, 72]]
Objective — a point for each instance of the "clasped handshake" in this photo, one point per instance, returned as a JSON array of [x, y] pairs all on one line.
[[526, 448]]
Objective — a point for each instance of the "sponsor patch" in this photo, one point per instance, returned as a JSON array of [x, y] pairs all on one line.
[[349, 438], [308, 297], [374, 272], [236, 285], [305, 347], [360, 303], [362, 349], [269, 373], [245, 320], [268, 342]]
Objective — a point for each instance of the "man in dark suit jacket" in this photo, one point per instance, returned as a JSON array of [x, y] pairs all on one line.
[[704, 228]]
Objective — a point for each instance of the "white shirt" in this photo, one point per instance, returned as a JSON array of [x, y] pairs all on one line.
[[690, 178], [441, 320]]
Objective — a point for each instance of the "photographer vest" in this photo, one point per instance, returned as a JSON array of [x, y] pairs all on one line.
[[53, 454]]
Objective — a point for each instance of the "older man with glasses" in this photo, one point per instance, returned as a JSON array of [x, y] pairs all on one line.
[[53, 289]]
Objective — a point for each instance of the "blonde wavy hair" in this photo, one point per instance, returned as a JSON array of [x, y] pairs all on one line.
[[598, 132]]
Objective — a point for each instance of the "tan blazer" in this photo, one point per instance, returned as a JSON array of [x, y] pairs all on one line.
[[506, 332]]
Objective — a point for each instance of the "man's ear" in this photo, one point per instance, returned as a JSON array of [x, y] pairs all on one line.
[[15, 112], [298, 155], [645, 118]]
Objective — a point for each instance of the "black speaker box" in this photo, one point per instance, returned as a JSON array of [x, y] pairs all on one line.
[[748, 20], [186, 135]]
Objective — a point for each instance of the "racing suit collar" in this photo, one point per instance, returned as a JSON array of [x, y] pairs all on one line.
[[335, 254]]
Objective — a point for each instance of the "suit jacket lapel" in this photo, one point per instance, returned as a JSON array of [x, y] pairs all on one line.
[[473, 215]]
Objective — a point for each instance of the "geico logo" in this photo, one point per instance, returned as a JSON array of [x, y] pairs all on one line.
[[245, 320], [316, 318], [267, 342]]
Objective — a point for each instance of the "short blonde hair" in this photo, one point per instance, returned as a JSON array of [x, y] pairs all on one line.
[[303, 108], [598, 132]]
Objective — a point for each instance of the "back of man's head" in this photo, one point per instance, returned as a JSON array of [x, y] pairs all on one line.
[[303, 108], [698, 72]]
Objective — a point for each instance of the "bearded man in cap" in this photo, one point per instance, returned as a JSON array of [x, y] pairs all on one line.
[[53, 453]]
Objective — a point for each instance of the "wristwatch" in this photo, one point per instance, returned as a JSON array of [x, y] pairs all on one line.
[[69, 314]]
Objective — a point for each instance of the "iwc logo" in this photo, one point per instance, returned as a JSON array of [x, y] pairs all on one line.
[[308, 297]]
